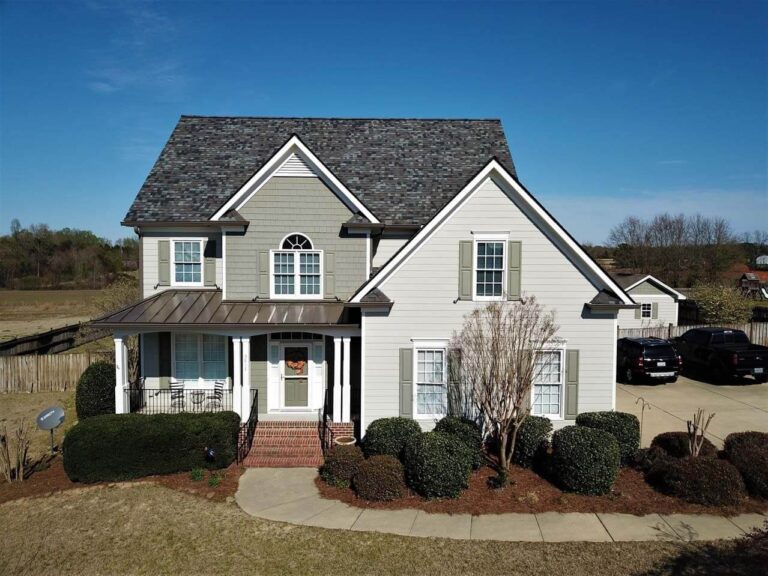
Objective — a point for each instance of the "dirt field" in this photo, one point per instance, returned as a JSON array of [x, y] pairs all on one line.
[[24, 312], [14, 407]]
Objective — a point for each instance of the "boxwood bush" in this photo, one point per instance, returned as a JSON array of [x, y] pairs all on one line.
[[675, 444], [624, 427], [585, 460], [388, 436], [736, 440], [437, 465], [124, 446], [532, 434], [752, 463], [95, 392], [380, 478], [341, 464], [466, 431], [707, 481]]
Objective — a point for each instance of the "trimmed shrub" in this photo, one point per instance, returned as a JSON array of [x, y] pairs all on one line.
[[380, 478], [624, 427], [389, 436], [95, 393], [437, 465], [341, 464], [675, 444], [466, 431], [736, 440], [585, 460], [124, 446], [752, 463], [532, 434], [707, 481], [644, 458]]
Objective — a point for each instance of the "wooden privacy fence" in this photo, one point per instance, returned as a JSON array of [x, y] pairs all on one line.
[[45, 373], [53, 341], [757, 331]]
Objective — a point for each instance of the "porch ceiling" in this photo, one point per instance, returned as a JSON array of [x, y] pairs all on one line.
[[205, 308]]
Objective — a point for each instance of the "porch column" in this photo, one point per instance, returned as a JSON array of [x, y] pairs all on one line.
[[237, 380], [346, 408], [337, 379], [121, 375], [246, 392]]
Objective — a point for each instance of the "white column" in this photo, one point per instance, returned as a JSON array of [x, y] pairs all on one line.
[[246, 392], [237, 378], [345, 388], [337, 379], [121, 369]]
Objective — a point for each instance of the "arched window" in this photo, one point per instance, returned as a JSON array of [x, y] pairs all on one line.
[[296, 269]]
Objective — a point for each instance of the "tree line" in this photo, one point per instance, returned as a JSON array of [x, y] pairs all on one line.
[[38, 257]]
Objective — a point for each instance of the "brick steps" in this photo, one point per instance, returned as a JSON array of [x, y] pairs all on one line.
[[283, 444]]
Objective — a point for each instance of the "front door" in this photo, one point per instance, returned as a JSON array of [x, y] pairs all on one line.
[[295, 375]]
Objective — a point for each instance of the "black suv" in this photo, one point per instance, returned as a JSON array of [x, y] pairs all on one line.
[[651, 358]]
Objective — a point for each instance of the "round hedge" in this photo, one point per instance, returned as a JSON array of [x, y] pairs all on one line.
[[532, 434], [380, 478], [585, 460], [752, 463], [467, 432], [95, 393], [437, 465], [341, 464], [675, 444], [624, 427], [388, 436], [752, 439], [707, 481]]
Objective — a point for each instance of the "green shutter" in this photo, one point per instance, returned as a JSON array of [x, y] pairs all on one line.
[[406, 382], [514, 260], [465, 270], [164, 358], [329, 270], [209, 264], [571, 384], [655, 310], [264, 274], [638, 312], [164, 263]]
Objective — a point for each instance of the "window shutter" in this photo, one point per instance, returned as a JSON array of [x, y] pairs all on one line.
[[209, 263], [329, 268], [571, 384], [164, 358], [465, 270], [264, 274], [164, 263], [406, 382], [514, 260], [639, 312], [655, 310]]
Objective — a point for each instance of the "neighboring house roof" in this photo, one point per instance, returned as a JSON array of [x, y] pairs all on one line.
[[403, 170], [760, 275], [629, 281]]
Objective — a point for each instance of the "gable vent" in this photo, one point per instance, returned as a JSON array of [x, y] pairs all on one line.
[[295, 166]]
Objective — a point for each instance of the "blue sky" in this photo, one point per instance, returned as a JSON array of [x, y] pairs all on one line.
[[610, 108]]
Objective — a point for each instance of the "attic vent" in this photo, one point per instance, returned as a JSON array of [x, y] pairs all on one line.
[[295, 166]]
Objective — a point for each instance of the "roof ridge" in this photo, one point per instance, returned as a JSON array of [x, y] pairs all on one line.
[[390, 118]]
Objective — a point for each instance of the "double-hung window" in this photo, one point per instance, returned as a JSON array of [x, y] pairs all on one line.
[[296, 269], [548, 383], [431, 381], [490, 265], [200, 357], [187, 263], [646, 311]]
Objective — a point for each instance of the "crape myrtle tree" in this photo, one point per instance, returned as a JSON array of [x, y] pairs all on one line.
[[496, 366]]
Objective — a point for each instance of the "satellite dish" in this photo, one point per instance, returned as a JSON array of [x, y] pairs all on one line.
[[50, 419]]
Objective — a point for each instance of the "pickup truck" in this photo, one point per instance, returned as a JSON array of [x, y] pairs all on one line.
[[723, 353]]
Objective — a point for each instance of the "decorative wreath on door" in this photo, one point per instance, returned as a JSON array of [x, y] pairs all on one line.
[[296, 362]]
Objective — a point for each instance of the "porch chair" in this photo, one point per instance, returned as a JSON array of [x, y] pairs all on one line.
[[216, 397], [177, 394]]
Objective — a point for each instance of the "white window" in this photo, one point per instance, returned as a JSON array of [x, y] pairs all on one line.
[[646, 310], [199, 357], [296, 269], [431, 382], [187, 263], [548, 384], [490, 262]]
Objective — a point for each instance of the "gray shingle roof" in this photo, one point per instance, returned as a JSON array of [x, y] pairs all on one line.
[[403, 170]]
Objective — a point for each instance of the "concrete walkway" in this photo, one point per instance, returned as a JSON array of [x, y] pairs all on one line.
[[290, 495]]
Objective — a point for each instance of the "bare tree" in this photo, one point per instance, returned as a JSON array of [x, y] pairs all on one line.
[[498, 348], [121, 293]]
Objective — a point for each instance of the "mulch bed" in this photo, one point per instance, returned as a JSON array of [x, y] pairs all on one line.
[[46, 482], [529, 493]]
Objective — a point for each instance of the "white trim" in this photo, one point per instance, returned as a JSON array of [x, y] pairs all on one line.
[[346, 387], [423, 345], [493, 168], [560, 349], [499, 238], [367, 255], [298, 168], [283, 344], [337, 379], [223, 264], [172, 259], [650, 311], [615, 345], [297, 295], [293, 146], [311, 243], [659, 284], [362, 373], [245, 386]]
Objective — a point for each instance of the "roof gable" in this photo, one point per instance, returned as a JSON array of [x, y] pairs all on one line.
[[631, 281]]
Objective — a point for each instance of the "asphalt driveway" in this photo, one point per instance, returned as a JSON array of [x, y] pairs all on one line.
[[739, 407]]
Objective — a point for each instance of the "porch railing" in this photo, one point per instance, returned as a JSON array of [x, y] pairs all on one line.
[[165, 401]]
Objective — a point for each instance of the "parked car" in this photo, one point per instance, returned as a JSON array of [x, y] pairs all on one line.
[[724, 353], [647, 358]]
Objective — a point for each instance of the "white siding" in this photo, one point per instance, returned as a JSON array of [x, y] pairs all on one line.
[[425, 288], [386, 249], [667, 312]]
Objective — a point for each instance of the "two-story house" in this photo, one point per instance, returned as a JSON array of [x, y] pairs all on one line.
[[305, 269]]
